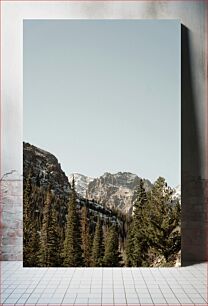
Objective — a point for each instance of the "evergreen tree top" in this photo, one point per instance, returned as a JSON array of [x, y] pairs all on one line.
[[73, 183]]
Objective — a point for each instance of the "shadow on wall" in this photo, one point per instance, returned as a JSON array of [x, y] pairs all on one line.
[[193, 200]]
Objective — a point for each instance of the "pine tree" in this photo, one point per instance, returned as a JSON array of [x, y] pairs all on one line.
[[53, 243], [137, 242], [98, 247], [164, 218], [129, 250], [72, 245], [85, 234], [26, 220], [44, 258], [139, 226], [49, 254], [112, 256], [30, 234], [34, 243]]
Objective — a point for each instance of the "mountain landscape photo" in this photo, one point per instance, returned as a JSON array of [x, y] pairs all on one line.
[[101, 143], [118, 219]]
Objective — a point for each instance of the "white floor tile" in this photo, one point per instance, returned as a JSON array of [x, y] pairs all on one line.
[[132, 300], [81, 301], [94, 301], [107, 300], [131, 295], [69, 300], [145, 301], [186, 285]]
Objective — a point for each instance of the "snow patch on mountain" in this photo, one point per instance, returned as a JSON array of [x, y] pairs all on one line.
[[81, 183], [177, 193]]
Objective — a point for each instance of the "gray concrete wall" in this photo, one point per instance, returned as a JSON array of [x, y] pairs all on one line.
[[193, 105]]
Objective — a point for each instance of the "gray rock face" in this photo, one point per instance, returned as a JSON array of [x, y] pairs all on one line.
[[45, 170], [113, 190]]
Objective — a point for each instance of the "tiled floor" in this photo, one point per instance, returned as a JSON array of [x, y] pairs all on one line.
[[107, 286]]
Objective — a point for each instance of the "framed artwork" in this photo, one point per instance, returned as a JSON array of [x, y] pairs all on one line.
[[101, 143], [103, 152]]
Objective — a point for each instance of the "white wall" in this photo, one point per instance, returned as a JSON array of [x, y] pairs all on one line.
[[194, 83]]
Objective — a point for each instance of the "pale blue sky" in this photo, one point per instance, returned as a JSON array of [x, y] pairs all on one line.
[[104, 95]]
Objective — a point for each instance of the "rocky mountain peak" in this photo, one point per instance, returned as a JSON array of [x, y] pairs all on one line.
[[116, 190], [45, 169]]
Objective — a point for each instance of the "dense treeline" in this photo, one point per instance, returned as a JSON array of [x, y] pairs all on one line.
[[154, 229], [59, 233]]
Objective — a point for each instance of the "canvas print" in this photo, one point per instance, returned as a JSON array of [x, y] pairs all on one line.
[[101, 150]]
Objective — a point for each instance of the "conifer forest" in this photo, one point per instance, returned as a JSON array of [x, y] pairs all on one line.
[[72, 231]]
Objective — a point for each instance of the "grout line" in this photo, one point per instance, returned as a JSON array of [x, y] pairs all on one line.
[[68, 287], [135, 286], [147, 287]]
